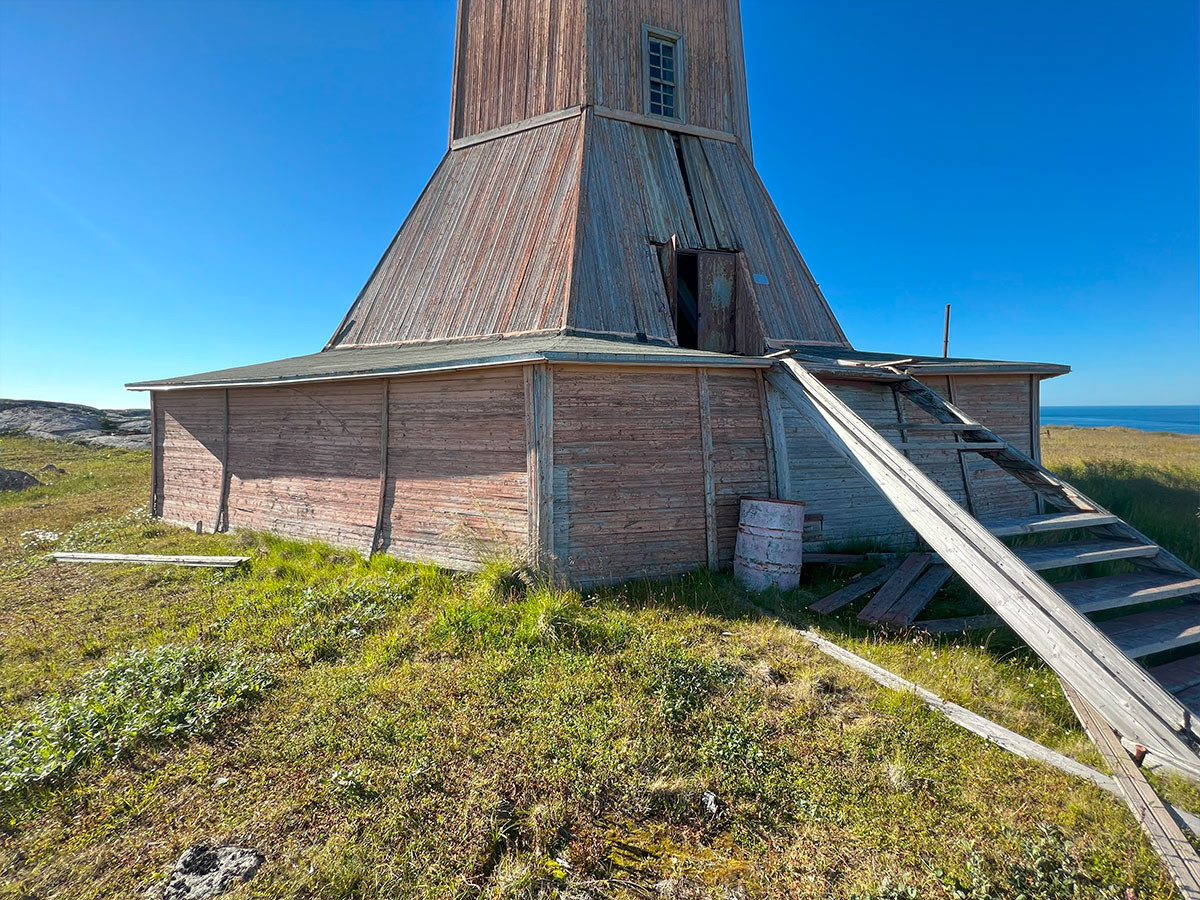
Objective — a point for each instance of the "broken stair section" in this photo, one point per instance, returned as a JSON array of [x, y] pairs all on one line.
[[1097, 660]]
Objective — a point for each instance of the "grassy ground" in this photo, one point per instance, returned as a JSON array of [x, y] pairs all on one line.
[[378, 729]]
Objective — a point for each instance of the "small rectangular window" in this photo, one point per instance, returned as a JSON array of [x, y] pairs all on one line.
[[663, 64]]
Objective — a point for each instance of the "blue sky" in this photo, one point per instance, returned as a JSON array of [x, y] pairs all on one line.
[[186, 186]]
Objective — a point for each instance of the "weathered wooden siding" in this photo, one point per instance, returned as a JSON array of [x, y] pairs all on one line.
[[849, 507], [304, 461], [739, 451], [628, 472], [634, 195], [791, 303], [853, 511], [714, 78], [457, 482], [1005, 404], [189, 437], [518, 59], [515, 60], [487, 248]]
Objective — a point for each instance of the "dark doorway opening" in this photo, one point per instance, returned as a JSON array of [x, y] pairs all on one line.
[[705, 295], [687, 311]]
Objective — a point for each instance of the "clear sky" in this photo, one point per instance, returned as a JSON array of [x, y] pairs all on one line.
[[187, 186]]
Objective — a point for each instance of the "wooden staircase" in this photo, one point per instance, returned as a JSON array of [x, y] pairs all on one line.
[[1149, 611]]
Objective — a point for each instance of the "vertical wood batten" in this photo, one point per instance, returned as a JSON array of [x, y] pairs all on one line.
[[539, 438], [156, 458], [964, 466], [706, 444], [768, 437], [221, 523], [377, 537], [774, 425]]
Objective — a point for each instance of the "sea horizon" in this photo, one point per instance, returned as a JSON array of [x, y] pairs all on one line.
[[1178, 419]]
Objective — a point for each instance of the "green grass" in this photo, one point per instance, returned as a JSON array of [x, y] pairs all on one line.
[[432, 735]]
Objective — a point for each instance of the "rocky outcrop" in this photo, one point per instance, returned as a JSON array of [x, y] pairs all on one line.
[[203, 872], [124, 429], [16, 480]]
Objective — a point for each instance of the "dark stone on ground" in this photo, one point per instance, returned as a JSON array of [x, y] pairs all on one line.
[[16, 480], [203, 872], [122, 429]]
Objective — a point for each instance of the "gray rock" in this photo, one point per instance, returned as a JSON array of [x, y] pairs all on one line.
[[712, 803], [16, 480], [203, 872], [125, 429]]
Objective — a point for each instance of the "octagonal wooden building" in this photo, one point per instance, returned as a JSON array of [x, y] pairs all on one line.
[[563, 347]]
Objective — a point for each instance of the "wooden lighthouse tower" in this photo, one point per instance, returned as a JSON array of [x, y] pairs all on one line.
[[568, 350], [562, 348]]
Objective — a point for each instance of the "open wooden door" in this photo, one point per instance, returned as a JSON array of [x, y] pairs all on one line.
[[716, 328]]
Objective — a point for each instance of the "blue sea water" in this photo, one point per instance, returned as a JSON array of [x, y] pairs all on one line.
[[1179, 419]]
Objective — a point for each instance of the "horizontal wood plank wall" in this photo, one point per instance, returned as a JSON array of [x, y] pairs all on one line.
[[304, 461], [486, 250], [740, 465], [847, 506], [458, 485], [189, 438], [851, 510], [713, 79], [1002, 403], [515, 60], [629, 473]]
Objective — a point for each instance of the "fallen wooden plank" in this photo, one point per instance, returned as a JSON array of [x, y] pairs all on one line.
[[985, 728], [910, 570], [1066, 640], [1147, 808], [904, 610], [212, 562], [960, 624], [854, 590], [836, 559]]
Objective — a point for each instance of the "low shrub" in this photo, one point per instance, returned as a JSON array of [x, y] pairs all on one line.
[[169, 692]]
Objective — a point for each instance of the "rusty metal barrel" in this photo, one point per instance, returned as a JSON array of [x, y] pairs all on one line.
[[768, 551]]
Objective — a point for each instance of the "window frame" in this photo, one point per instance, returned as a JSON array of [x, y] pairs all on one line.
[[671, 37]]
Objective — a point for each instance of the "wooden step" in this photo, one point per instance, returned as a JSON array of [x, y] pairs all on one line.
[[1080, 553], [1191, 699], [1155, 631], [1116, 591], [974, 446], [1179, 675], [1052, 522]]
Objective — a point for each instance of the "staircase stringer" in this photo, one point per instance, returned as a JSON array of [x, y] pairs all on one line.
[[1033, 475], [1137, 706]]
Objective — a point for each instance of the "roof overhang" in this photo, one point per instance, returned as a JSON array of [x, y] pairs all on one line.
[[847, 361], [450, 356]]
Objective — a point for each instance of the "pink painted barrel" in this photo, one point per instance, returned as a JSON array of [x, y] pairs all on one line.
[[769, 544]]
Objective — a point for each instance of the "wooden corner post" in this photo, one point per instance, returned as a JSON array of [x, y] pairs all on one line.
[[706, 445], [377, 536], [222, 520], [539, 447]]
